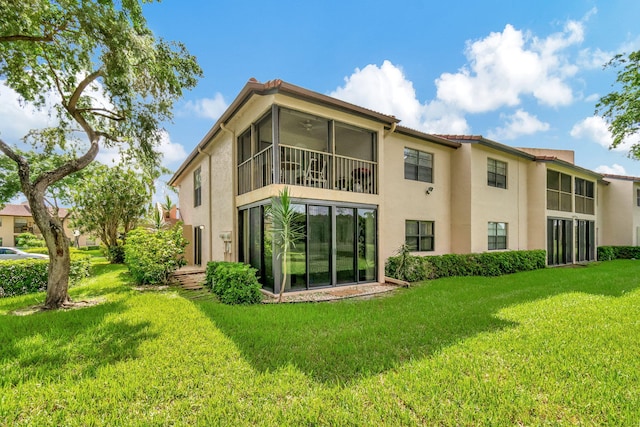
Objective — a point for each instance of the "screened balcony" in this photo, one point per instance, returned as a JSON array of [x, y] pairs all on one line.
[[307, 151]]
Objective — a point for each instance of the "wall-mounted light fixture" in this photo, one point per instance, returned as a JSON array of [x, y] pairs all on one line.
[[201, 227], [429, 190]]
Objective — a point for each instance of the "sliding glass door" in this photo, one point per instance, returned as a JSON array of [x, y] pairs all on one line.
[[339, 247]]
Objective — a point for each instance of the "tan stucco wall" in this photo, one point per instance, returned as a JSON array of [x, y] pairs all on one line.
[[537, 205], [193, 216], [8, 236], [405, 199], [491, 204], [6, 230], [461, 208], [619, 216], [222, 205]]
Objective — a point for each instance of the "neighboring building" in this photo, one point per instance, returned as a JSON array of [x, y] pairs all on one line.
[[620, 209], [364, 186], [17, 219]]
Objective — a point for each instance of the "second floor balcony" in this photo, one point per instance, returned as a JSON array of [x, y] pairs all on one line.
[[296, 148], [308, 168]]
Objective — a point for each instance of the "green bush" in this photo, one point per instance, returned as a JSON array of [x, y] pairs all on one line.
[[416, 268], [30, 275], [152, 255], [28, 240], [233, 282], [115, 254], [608, 253], [44, 250]]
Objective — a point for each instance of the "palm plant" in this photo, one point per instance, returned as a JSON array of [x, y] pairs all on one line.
[[167, 206], [285, 231]]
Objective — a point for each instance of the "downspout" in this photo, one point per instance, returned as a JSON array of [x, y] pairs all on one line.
[[234, 220], [392, 129], [210, 208]]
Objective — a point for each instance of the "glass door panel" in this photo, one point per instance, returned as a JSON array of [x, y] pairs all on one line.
[[345, 247], [319, 238], [297, 269], [366, 245]]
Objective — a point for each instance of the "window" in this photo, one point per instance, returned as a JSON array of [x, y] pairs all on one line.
[[584, 196], [0, 241], [496, 173], [637, 197], [497, 235], [558, 191], [20, 225], [419, 235], [197, 188], [418, 165]]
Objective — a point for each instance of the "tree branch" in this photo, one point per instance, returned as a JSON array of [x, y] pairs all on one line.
[[25, 38], [73, 101], [24, 171], [103, 112]]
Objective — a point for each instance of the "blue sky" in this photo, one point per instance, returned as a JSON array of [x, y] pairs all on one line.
[[522, 73], [527, 74]]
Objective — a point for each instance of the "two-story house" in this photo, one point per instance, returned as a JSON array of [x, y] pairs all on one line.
[[363, 185]]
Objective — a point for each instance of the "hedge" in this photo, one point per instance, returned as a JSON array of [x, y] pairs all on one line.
[[414, 268], [152, 255], [233, 282], [30, 275], [607, 253]]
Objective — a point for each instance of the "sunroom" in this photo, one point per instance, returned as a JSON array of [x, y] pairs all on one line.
[[339, 245], [297, 148]]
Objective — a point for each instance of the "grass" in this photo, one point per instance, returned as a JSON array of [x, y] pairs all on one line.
[[557, 346]]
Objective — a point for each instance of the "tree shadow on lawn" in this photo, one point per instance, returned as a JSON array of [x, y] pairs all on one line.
[[74, 344], [342, 342]]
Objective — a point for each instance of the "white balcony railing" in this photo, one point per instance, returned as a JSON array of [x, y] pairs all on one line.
[[309, 168]]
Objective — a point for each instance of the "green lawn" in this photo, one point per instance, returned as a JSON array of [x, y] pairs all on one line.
[[556, 346]]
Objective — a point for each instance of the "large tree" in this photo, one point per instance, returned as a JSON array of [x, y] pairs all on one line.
[[111, 83], [109, 203], [621, 108]]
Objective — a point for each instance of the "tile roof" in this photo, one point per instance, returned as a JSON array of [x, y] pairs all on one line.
[[24, 210]]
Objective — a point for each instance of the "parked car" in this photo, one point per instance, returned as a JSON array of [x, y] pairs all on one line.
[[13, 253]]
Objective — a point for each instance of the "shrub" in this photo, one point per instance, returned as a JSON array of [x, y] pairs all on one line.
[[233, 282], [152, 255], [607, 253], [28, 240], [115, 254], [30, 275], [415, 268]]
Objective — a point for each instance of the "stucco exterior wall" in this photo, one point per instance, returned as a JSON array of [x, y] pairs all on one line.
[[195, 216], [619, 219], [537, 205], [222, 190], [406, 199], [492, 204], [461, 209], [7, 235]]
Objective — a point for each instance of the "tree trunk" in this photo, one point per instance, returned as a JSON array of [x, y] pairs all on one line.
[[59, 255]]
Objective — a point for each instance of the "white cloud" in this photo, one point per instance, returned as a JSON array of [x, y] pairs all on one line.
[[615, 169], [518, 124], [504, 67], [385, 89], [17, 118], [596, 129], [172, 153], [594, 97], [209, 108]]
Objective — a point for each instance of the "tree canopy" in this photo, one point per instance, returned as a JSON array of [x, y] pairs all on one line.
[[105, 79], [621, 108], [110, 202]]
